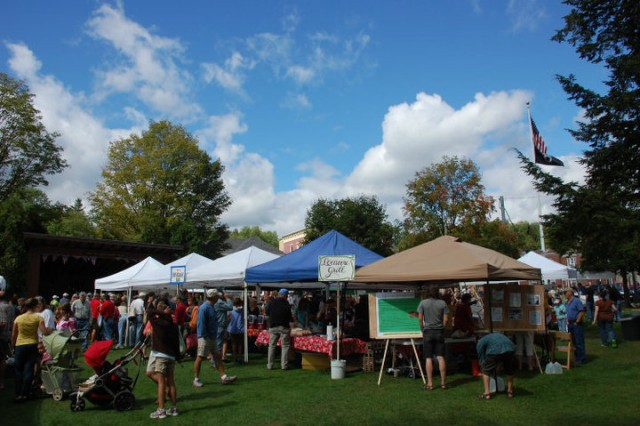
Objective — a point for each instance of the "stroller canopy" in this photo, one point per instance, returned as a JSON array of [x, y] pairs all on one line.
[[97, 353]]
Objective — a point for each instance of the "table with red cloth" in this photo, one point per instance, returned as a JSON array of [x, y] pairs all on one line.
[[319, 344]]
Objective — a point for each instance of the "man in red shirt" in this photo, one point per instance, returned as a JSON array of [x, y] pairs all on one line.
[[108, 311], [180, 313], [94, 328]]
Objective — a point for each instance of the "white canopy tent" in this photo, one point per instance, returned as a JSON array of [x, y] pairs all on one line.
[[550, 269], [121, 281], [161, 277]]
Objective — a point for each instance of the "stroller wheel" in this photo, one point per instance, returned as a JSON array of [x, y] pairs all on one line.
[[77, 403], [57, 394], [124, 401]]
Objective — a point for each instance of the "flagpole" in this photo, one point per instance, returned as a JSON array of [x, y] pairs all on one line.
[[542, 247]]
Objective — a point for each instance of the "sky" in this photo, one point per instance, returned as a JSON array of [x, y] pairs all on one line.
[[303, 100]]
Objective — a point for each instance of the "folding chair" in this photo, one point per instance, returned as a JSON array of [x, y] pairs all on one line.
[[564, 344]]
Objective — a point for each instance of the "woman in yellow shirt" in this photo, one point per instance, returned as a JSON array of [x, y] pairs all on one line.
[[25, 344]]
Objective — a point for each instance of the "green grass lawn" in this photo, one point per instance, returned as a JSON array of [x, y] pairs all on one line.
[[603, 391]]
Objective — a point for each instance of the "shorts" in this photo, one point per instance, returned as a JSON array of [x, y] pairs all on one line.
[[206, 346], [433, 341], [162, 365], [491, 363], [237, 339]]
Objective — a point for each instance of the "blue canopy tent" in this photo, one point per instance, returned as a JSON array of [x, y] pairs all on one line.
[[302, 265], [299, 269]]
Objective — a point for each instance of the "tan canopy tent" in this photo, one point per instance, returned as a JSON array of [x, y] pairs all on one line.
[[446, 259]]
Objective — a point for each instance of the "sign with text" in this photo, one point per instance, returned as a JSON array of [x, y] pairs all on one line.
[[336, 268], [178, 274]]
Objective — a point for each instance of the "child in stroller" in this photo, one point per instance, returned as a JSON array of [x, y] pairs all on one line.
[[111, 385]]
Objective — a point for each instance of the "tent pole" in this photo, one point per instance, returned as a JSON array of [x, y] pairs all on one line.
[[246, 329], [338, 285], [489, 305]]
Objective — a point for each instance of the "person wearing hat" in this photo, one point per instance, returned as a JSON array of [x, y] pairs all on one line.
[[207, 330], [65, 298], [561, 314], [280, 319], [54, 302], [575, 316]]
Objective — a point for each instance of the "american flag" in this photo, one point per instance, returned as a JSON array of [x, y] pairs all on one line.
[[540, 149]]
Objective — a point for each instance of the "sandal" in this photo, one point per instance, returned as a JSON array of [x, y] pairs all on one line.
[[485, 396], [427, 387], [444, 387], [510, 394]]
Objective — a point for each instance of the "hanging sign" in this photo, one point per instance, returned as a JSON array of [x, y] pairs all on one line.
[[178, 275], [336, 268]]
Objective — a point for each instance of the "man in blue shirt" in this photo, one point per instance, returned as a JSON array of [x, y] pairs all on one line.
[[207, 330], [493, 350], [575, 314]]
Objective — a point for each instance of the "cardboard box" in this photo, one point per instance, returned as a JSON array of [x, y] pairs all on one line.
[[314, 361]]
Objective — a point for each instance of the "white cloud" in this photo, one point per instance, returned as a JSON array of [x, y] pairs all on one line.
[[525, 14], [83, 137], [147, 65], [231, 76], [297, 101]]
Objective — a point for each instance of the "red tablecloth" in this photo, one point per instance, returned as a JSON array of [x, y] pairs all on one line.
[[319, 344]]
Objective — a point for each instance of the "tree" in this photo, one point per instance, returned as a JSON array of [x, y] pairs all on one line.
[[25, 210], [601, 218], [269, 237], [159, 187], [362, 218], [529, 234], [28, 152], [445, 198], [73, 222]]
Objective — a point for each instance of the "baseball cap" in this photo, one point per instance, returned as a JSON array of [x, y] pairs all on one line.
[[283, 291], [211, 293]]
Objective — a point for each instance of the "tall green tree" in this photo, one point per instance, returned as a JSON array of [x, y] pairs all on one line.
[[269, 237], [601, 218], [28, 152], [445, 198], [73, 222], [25, 210], [362, 218], [160, 187]]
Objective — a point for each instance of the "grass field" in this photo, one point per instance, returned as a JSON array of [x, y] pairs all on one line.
[[603, 391]]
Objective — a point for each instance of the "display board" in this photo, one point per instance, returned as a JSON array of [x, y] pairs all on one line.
[[393, 316], [514, 307]]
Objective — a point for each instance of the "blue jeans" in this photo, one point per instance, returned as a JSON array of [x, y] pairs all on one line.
[[577, 337], [135, 330], [618, 314], [122, 327], [562, 324], [25, 357], [590, 310], [606, 331], [107, 328], [83, 326]]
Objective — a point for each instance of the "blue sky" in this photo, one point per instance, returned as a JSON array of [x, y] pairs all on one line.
[[307, 99]]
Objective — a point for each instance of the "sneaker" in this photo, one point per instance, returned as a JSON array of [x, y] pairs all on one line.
[[228, 380], [197, 383], [173, 411], [160, 413]]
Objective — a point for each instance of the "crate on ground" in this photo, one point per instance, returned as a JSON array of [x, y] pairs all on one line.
[[373, 355]]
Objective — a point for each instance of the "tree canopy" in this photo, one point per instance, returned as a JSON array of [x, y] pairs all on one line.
[[28, 152], [601, 218], [269, 237], [362, 218], [445, 198], [160, 187]]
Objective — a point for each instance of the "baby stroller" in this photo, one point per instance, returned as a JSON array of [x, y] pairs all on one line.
[[59, 371], [111, 385]]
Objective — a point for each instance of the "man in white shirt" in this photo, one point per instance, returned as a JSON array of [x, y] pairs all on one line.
[[136, 319]]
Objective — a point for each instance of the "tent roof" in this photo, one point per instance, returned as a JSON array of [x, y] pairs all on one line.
[[302, 265], [228, 270], [121, 280], [550, 269], [237, 245], [161, 277], [446, 259]]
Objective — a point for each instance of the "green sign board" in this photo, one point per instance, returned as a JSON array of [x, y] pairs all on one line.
[[394, 316]]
